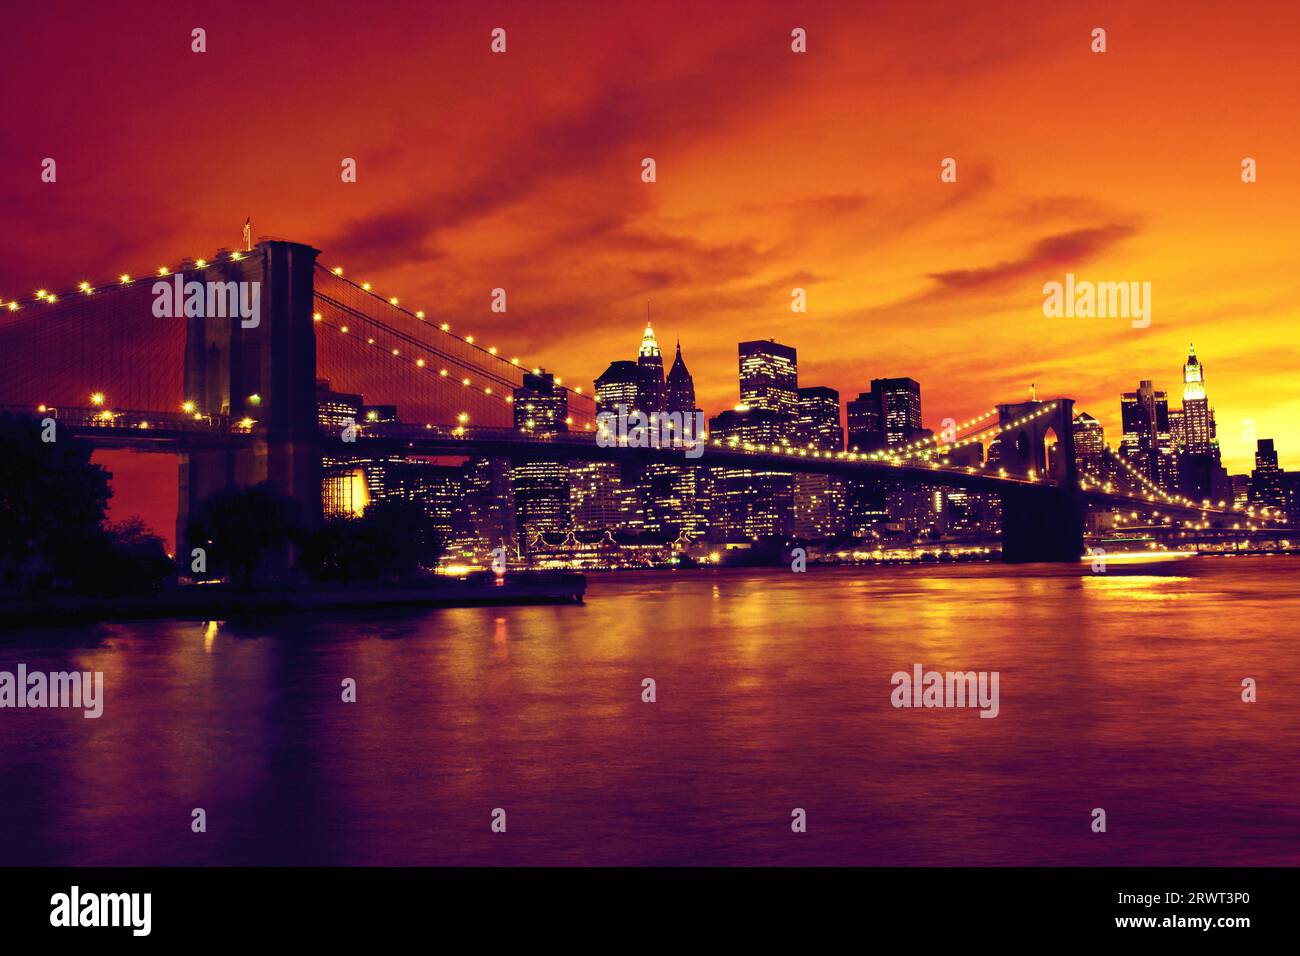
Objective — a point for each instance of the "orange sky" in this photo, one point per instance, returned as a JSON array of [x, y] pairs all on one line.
[[775, 170]]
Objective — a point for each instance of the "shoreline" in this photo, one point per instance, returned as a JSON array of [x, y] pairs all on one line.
[[203, 602], [220, 602]]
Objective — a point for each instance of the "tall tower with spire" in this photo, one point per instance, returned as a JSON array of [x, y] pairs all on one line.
[[650, 364], [680, 395], [1198, 419]]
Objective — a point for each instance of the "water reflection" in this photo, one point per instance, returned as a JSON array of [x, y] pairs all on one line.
[[1119, 691]]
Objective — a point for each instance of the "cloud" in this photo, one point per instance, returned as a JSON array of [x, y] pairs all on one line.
[[1059, 253]]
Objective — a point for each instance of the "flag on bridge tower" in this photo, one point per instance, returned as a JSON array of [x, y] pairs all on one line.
[[248, 234]]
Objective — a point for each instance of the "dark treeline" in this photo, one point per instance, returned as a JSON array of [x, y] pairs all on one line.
[[55, 535], [54, 532]]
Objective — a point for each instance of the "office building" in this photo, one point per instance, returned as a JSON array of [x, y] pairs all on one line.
[[819, 419], [769, 380], [1147, 442]]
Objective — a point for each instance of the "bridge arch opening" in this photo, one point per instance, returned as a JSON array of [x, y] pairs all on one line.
[[1053, 466]]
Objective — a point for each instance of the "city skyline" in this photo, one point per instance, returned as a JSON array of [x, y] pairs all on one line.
[[904, 274], [1170, 451], [650, 386], [1198, 434], [598, 435]]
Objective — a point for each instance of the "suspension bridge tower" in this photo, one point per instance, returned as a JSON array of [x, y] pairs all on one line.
[[1042, 521], [263, 368]]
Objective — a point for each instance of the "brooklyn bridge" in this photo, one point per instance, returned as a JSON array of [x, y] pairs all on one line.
[[236, 400]]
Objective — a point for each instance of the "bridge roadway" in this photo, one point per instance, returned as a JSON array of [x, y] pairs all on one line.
[[174, 433], [582, 446]]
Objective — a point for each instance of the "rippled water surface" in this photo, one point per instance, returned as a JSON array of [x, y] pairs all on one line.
[[1117, 691]]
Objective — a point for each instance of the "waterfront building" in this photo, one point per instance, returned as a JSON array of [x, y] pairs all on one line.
[[819, 419], [1147, 442], [769, 380], [650, 366], [1266, 485], [540, 488]]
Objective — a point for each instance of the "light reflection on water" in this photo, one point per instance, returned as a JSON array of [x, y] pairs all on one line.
[[1117, 691]]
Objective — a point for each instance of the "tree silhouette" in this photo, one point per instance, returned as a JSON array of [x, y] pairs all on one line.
[[136, 559], [52, 507], [392, 539], [238, 527]]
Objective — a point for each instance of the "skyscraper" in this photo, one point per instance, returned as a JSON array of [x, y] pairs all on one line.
[[1147, 441], [651, 366], [1198, 419], [604, 494], [1200, 472], [675, 497], [541, 488], [655, 497], [1240, 490], [490, 506], [888, 415], [1266, 486], [598, 497], [819, 418], [820, 507], [750, 504], [900, 408], [680, 392], [1090, 447], [620, 384], [539, 406], [769, 379], [819, 500], [1291, 488], [866, 428], [1176, 434]]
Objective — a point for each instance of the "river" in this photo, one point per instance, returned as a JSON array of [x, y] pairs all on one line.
[[1120, 692]]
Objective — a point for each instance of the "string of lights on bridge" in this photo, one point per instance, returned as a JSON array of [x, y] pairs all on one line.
[[919, 448], [85, 287], [924, 449], [490, 352], [126, 280], [901, 456], [922, 445], [1154, 491], [421, 362]]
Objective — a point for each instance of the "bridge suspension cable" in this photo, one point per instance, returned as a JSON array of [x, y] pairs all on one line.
[[54, 340], [487, 355], [981, 434]]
